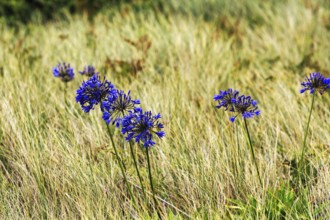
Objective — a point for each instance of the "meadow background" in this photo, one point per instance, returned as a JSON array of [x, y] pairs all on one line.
[[57, 161]]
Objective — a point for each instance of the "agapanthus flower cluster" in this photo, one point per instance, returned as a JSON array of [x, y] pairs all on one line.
[[64, 71], [226, 99], [246, 106], [316, 82], [241, 105], [142, 127], [94, 91], [88, 71], [120, 109], [117, 107]]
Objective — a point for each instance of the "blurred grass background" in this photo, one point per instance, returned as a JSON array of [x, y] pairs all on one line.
[[57, 162]]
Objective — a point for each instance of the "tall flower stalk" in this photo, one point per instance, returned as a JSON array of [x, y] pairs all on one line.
[[65, 94], [114, 110], [300, 166], [136, 168], [142, 127], [316, 82], [252, 151], [240, 105], [121, 164], [248, 108], [94, 92], [150, 181]]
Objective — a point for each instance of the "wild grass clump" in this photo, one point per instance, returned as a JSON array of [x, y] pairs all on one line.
[[97, 152]]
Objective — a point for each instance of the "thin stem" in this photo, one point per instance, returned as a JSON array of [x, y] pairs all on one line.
[[305, 137], [136, 167], [151, 184], [238, 152], [120, 164], [239, 164], [66, 107], [252, 151], [65, 94]]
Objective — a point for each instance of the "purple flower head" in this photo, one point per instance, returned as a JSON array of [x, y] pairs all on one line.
[[246, 106], [316, 83], [142, 127], [117, 107], [226, 99], [230, 101], [93, 92], [88, 71], [64, 72]]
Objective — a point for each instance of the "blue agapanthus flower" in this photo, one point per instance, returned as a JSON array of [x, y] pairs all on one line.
[[88, 71], [93, 92], [246, 106], [316, 83], [142, 127], [117, 107], [226, 99], [230, 101], [64, 71]]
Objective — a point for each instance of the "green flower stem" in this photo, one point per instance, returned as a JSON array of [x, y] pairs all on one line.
[[151, 184], [238, 152], [136, 167], [135, 163], [120, 162], [252, 151], [65, 94], [66, 106], [305, 137], [239, 163]]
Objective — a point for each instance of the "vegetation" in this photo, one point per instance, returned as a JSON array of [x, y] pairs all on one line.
[[56, 161]]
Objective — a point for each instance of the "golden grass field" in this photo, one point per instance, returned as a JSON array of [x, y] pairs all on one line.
[[57, 162]]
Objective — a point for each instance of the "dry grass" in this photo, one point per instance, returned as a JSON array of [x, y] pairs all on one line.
[[57, 161]]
